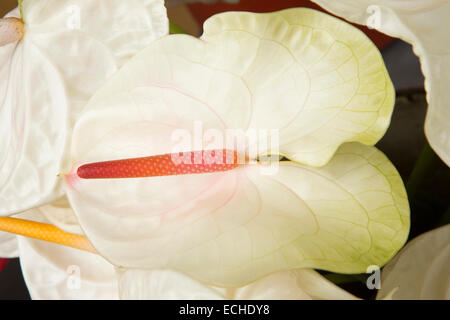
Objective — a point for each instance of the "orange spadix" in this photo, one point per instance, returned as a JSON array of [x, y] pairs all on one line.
[[45, 232], [195, 162]]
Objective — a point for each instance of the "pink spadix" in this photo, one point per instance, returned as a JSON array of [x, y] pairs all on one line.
[[195, 162]]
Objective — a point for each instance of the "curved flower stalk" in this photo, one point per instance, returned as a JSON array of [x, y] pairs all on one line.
[[425, 25], [68, 50], [316, 81], [421, 269]]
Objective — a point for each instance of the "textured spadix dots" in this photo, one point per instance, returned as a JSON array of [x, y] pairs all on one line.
[[45, 232], [196, 162]]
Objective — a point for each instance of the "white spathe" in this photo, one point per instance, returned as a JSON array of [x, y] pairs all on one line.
[[421, 270], [317, 80]]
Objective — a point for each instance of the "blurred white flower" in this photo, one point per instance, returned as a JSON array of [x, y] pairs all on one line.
[[421, 270], [69, 49]]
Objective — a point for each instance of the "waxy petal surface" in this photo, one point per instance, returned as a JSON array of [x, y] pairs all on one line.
[[229, 229], [171, 285], [60, 214], [425, 25], [70, 48], [316, 79], [420, 270]]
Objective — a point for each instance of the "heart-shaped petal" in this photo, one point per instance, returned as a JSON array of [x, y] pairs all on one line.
[[317, 80]]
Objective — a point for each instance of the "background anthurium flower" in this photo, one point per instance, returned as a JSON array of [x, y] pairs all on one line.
[[425, 25], [421, 269], [69, 49], [316, 79]]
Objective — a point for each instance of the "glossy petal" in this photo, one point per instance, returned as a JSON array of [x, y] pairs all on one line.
[[292, 285], [135, 284], [425, 25], [54, 272], [421, 269], [171, 285], [26, 177], [69, 49], [60, 214], [8, 245], [316, 79], [229, 229]]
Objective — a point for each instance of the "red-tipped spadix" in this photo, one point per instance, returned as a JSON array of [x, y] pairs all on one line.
[[162, 165]]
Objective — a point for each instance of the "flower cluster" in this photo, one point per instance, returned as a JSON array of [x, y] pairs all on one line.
[[92, 97]]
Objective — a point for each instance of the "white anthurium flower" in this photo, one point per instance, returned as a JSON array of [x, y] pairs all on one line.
[[68, 50], [425, 25], [313, 79], [421, 269]]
